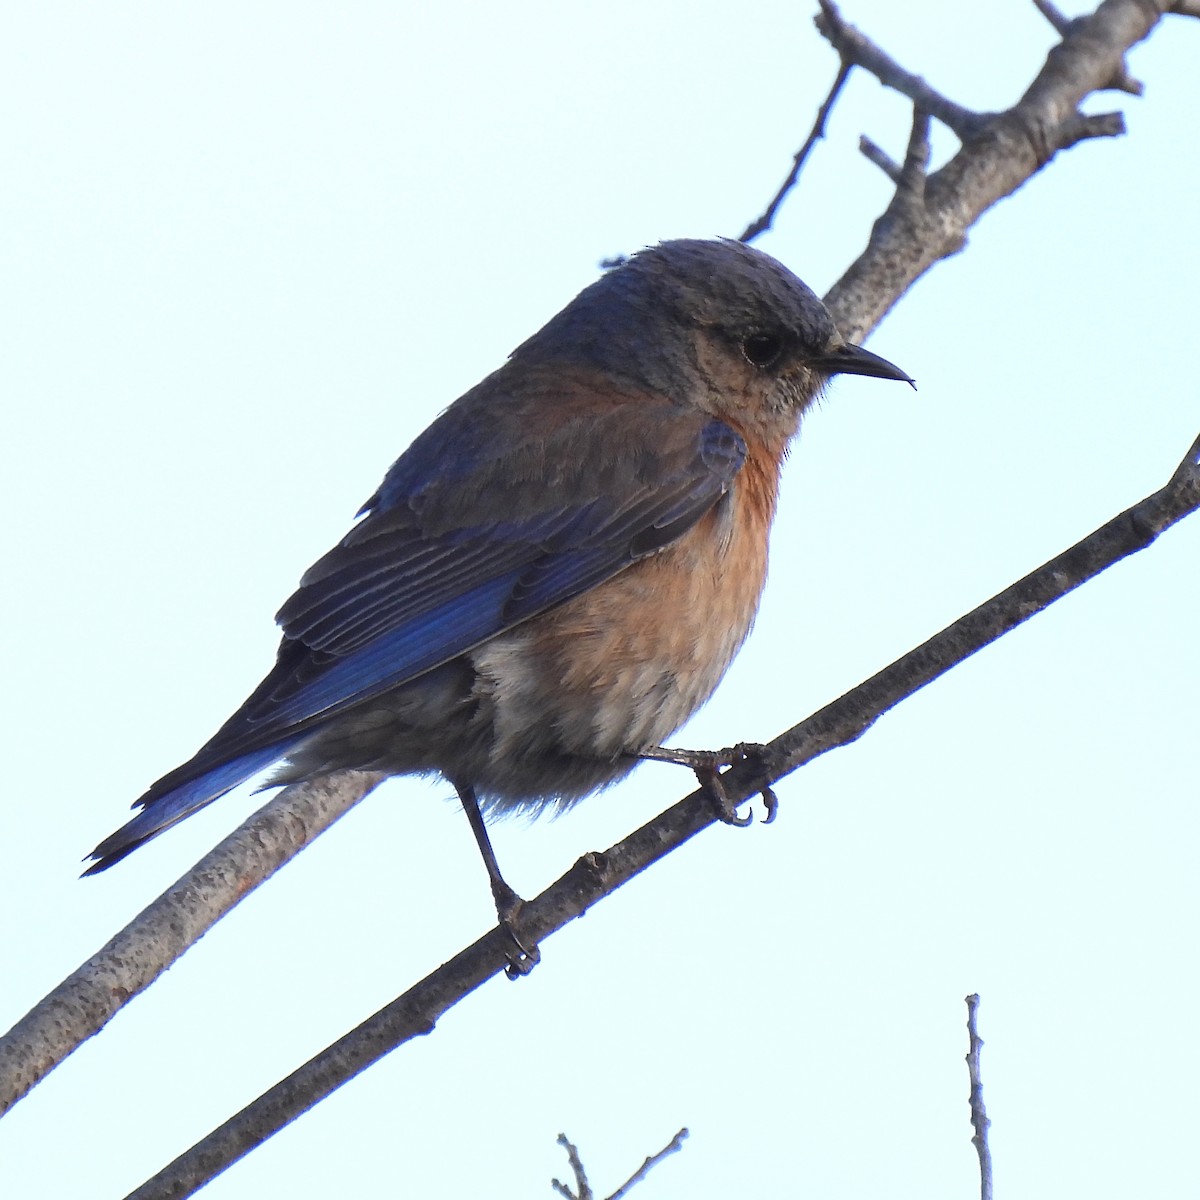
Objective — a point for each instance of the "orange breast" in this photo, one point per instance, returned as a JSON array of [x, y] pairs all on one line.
[[635, 657]]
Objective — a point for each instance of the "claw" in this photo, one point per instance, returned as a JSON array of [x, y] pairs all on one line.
[[707, 763], [771, 803], [521, 958], [756, 752], [525, 957], [727, 811]]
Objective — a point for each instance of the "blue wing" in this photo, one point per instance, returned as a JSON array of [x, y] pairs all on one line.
[[504, 508]]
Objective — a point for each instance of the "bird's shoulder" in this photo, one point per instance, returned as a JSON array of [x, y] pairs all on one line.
[[536, 438]]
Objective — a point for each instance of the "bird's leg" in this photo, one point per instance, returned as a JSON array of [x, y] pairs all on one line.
[[508, 903], [707, 765]]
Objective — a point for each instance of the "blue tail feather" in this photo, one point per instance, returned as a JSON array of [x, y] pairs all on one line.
[[163, 811]]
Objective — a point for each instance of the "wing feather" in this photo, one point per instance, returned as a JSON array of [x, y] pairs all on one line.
[[458, 546]]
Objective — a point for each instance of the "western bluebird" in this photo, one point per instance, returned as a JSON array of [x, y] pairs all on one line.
[[558, 571]]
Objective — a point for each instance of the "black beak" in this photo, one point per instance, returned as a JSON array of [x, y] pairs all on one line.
[[854, 360]]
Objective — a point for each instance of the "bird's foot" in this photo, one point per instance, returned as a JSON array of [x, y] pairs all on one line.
[[707, 766], [522, 955]]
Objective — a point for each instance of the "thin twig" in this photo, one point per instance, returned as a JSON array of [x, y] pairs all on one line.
[[857, 49], [763, 223], [910, 177], [1060, 22], [979, 1118], [672, 1147], [1081, 126], [581, 1181], [576, 1163], [597, 875], [875, 153]]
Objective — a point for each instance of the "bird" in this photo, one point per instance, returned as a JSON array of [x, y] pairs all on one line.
[[558, 571]]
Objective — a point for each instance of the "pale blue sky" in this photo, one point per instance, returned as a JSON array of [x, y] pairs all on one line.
[[249, 251]]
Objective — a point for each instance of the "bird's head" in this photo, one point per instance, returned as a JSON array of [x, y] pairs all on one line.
[[715, 324]]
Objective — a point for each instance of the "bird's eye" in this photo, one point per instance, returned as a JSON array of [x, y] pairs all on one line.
[[762, 350]]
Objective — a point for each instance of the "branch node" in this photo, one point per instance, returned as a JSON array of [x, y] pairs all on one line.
[[856, 49], [1121, 80], [1079, 127]]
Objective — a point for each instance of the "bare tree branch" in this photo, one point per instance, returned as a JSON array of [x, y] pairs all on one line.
[[672, 1147], [1082, 126], [1054, 15], [585, 1191], [763, 223], [875, 153], [576, 1163], [1121, 81], [849, 717], [856, 49], [86, 1000], [916, 157], [909, 177], [597, 875], [979, 1118], [1000, 152]]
